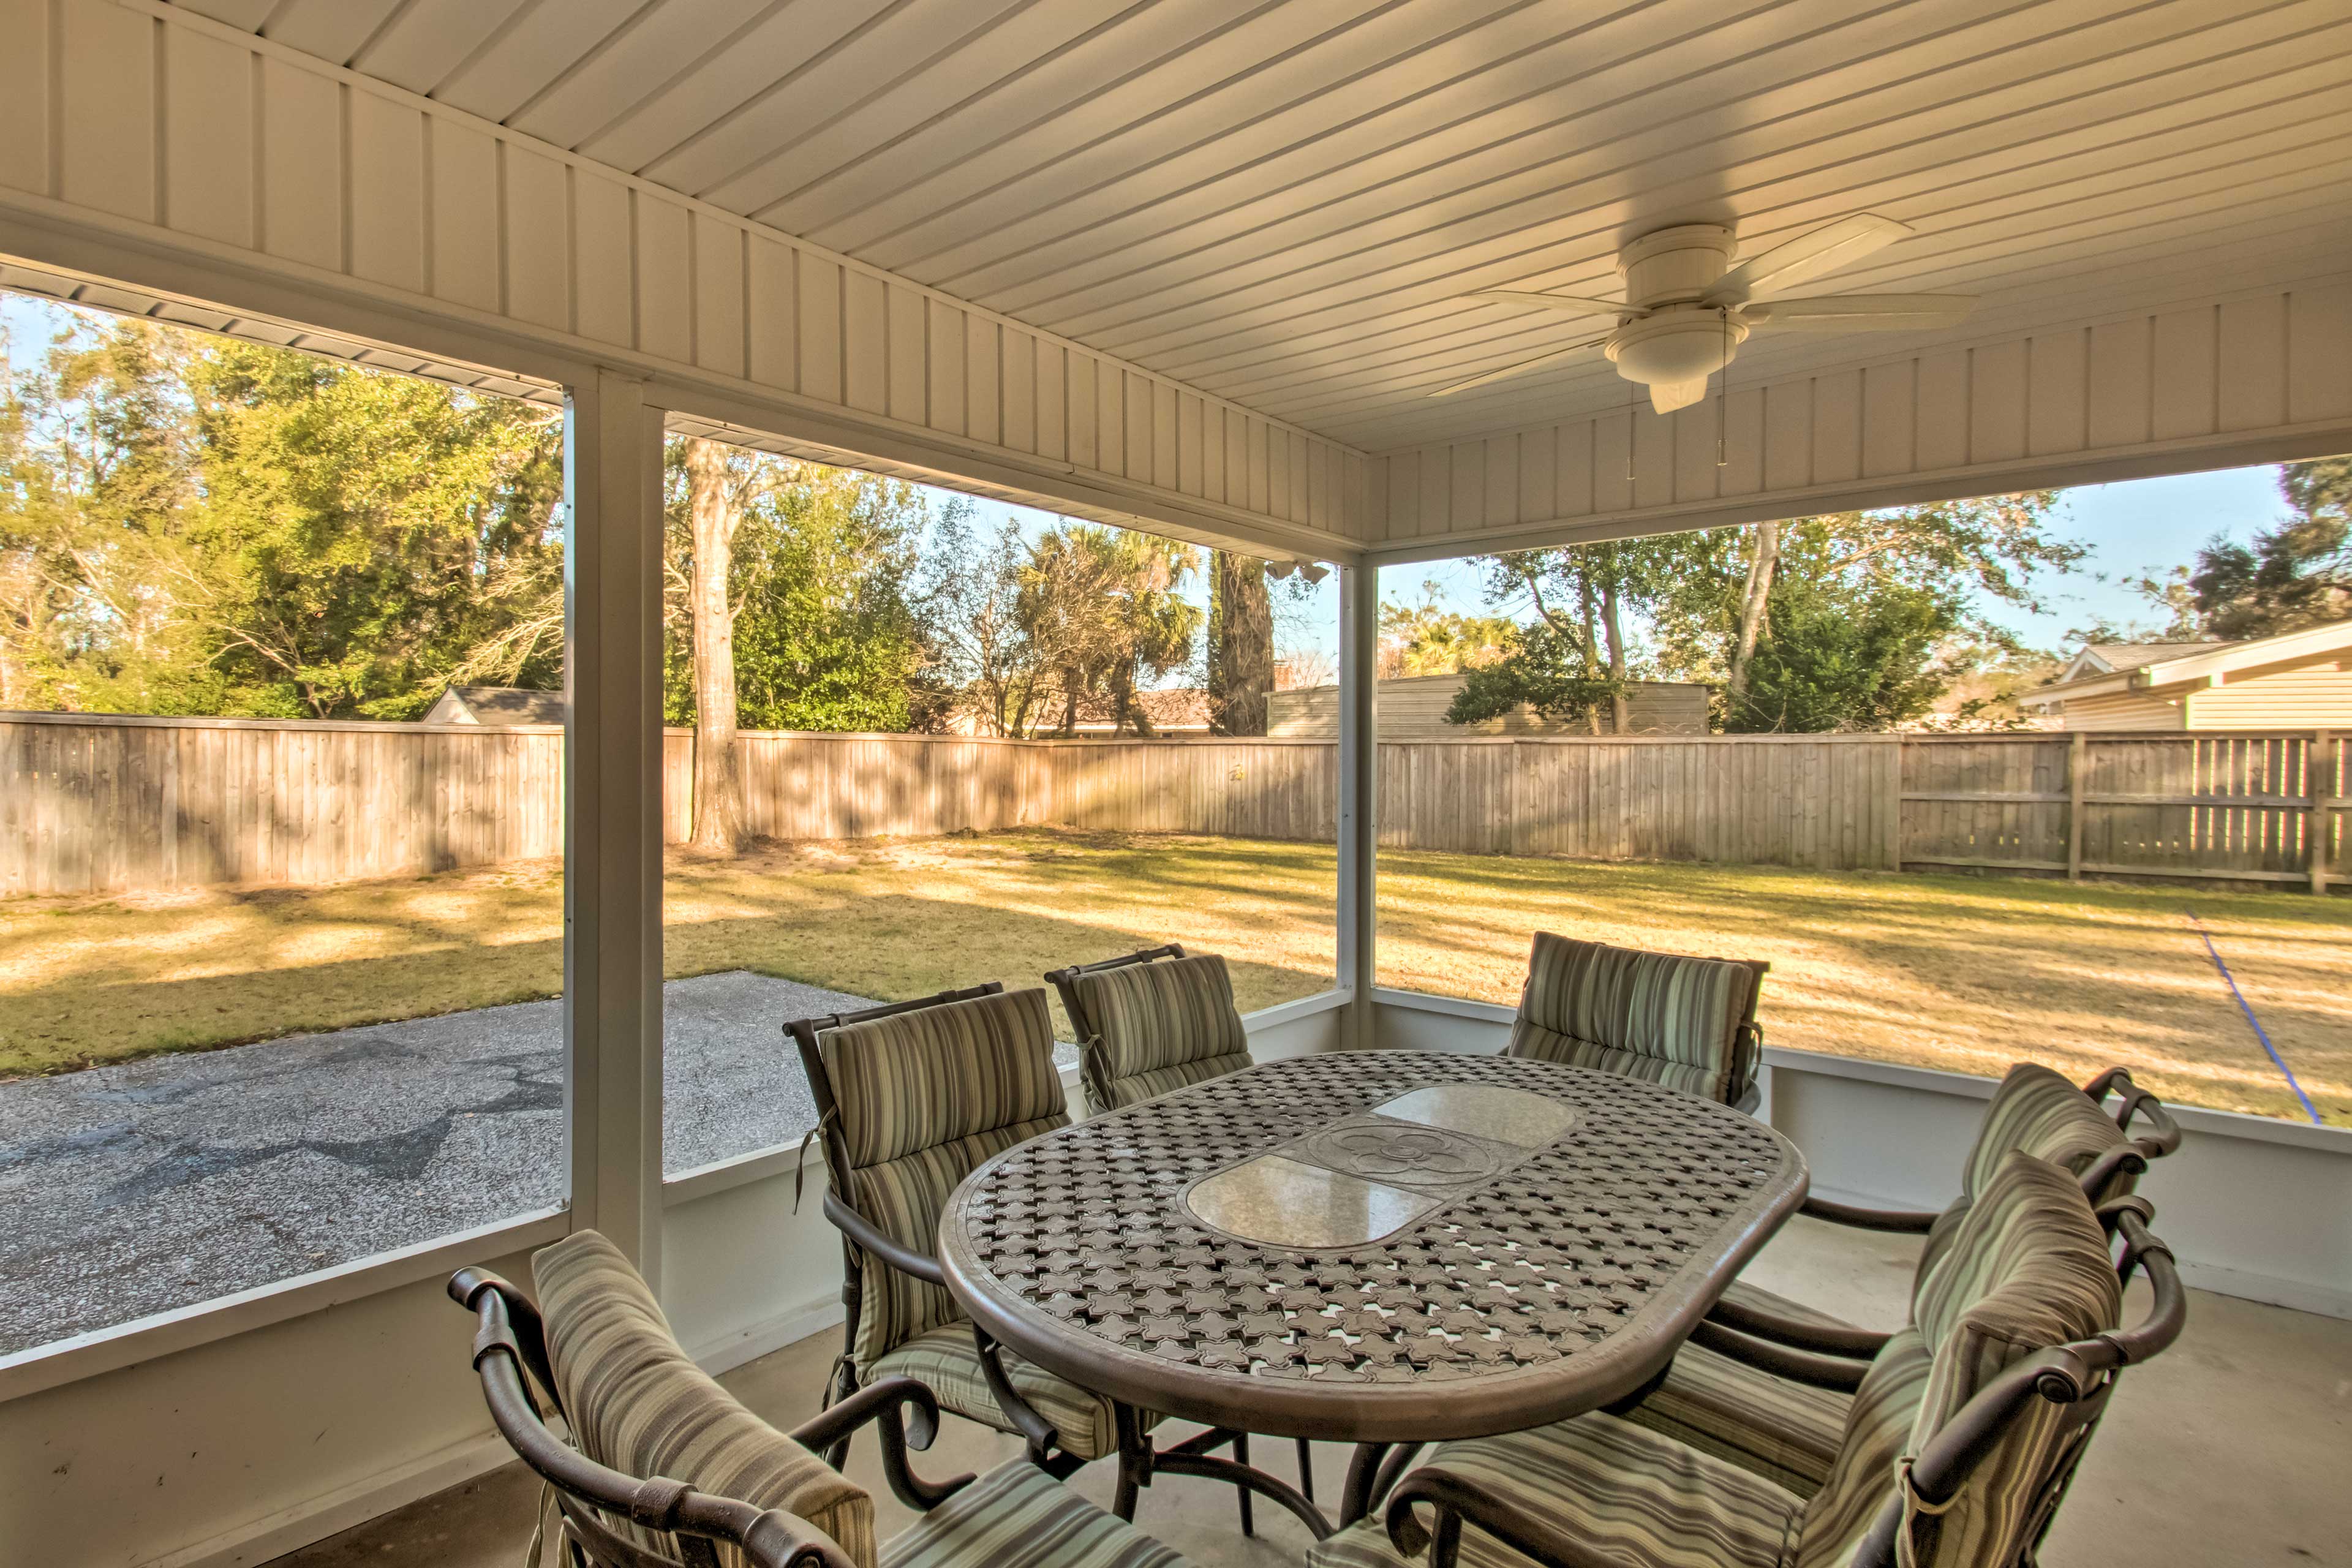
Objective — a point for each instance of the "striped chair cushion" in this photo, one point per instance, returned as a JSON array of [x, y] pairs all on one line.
[[638, 1403], [1788, 1433], [947, 1362], [1659, 1017], [1016, 1516], [1877, 1434], [2044, 1114], [2027, 1268], [1632, 1496], [923, 1078], [1158, 1027], [905, 1198]]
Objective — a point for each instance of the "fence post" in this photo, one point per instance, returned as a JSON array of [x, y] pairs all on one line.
[[1895, 808], [2078, 751], [2321, 782]]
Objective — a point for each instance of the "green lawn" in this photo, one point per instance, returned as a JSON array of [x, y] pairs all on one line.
[[1959, 972]]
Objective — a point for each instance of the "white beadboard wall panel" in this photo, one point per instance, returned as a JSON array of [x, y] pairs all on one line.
[[170, 125], [2257, 375]]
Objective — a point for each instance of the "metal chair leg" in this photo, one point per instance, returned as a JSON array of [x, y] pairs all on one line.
[[1241, 1457], [1306, 1468]]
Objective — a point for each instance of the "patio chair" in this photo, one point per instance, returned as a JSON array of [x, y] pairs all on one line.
[[670, 1471], [1789, 1432], [1687, 1022], [1964, 1432], [1146, 1027], [911, 1098]]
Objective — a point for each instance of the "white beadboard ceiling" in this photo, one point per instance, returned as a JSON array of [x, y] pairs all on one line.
[[1280, 202]]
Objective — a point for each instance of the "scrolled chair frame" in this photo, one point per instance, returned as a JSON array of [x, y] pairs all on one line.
[[2079, 1377], [510, 1353]]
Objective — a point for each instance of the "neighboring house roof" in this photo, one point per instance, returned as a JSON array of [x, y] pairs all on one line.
[[2113, 657], [497, 705], [2147, 666]]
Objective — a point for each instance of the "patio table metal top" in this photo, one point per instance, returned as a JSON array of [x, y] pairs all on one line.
[[1384, 1246]]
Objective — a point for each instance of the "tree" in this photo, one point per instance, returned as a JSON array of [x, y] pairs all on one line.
[[1101, 611], [970, 612], [1574, 658], [2296, 574], [787, 608], [1241, 644], [1852, 620], [1423, 639]]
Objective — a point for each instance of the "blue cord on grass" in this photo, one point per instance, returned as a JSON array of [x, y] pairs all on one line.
[[2276, 1060]]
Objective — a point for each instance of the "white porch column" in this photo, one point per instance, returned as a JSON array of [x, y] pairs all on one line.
[[1360, 646], [611, 813]]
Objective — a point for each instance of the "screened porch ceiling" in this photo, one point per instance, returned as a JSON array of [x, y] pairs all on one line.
[[1280, 204]]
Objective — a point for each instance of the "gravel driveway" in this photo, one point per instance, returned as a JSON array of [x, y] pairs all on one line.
[[130, 1190]]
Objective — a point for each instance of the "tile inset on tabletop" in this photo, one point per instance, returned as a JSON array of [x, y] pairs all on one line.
[[1282, 1202], [1489, 1110], [1405, 1154]]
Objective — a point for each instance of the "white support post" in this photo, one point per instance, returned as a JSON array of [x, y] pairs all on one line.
[[1360, 647], [611, 813]]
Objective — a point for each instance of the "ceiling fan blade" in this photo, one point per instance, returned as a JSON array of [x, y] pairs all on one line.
[[1526, 364], [1825, 250], [1574, 304], [1862, 313], [1665, 397]]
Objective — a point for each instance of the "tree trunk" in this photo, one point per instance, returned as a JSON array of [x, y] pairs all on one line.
[[1240, 656], [1764, 556], [716, 511], [1592, 646], [1613, 627]]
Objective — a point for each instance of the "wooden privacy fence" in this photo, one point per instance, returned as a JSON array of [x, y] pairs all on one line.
[[115, 804]]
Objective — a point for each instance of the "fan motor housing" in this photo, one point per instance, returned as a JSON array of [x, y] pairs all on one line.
[[1675, 265]]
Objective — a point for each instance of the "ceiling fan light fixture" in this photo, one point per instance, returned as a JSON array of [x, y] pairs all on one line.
[[1677, 346]]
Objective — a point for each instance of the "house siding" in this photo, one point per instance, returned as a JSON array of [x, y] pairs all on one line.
[[2124, 711], [2318, 697]]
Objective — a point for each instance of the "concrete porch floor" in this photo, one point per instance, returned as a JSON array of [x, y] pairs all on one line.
[[2230, 1450]]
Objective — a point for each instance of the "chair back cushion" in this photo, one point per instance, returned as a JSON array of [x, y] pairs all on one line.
[[921, 1101], [2043, 1114], [638, 1403], [1158, 1027], [2027, 1268], [1655, 1015]]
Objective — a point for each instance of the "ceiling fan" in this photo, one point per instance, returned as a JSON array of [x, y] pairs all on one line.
[[1687, 309]]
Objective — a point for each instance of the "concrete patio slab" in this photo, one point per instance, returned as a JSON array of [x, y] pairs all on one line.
[[130, 1190]]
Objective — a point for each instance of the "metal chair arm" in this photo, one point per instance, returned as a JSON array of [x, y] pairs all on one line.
[[1796, 1333], [907, 1415], [1905, 1222], [862, 1231], [1039, 1433], [1796, 1365]]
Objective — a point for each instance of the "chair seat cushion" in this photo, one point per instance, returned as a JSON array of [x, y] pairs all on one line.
[[1630, 1497], [1016, 1516], [947, 1362], [1788, 1432]]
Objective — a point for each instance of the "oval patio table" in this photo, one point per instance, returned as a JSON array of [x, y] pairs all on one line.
[[1382, 1247]]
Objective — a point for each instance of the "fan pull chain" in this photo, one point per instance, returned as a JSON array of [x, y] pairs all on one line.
[[1632, 418]]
